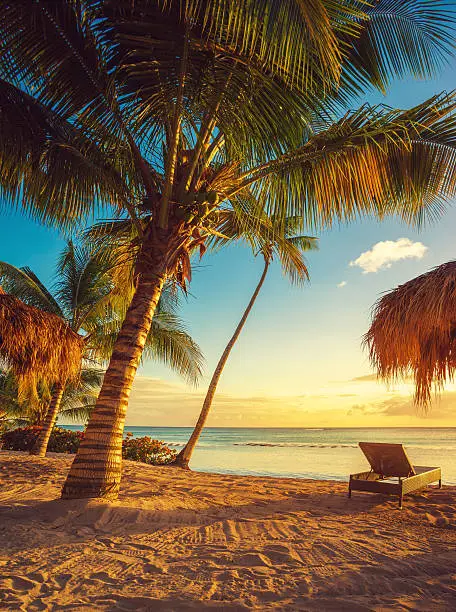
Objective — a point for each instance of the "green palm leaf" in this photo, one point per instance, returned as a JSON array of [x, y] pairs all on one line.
[[25, 285], [373, 161], [49, 167], [397, 38]]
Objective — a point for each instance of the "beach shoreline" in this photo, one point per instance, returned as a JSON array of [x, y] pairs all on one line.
[[179, 540], [318, 453]]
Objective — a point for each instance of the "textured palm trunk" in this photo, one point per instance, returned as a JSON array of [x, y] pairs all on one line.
[[42, 441], [183, 458], [96, 469]]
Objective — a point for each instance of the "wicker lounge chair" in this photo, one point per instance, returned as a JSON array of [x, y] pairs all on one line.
[[390, 461]]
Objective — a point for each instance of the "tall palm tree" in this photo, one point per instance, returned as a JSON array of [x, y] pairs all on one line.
[[413, 331], [289, 248], [184, 108], [85, 298]]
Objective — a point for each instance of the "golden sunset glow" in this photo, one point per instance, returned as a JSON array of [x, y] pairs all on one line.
[[360, 402]]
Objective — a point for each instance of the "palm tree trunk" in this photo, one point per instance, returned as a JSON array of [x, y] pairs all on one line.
[[183, 458], [42, 441], [96, 469]]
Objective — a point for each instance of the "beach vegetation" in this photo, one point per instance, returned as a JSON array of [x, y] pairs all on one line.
[[62, 440], [169, 113], [86, 300], [147, 450], [25, 438], [288, 247], [78, 399]]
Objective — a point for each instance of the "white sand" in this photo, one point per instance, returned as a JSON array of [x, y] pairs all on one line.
[[179, 541]]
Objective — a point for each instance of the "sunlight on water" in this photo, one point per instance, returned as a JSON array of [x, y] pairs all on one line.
[[306, 453]]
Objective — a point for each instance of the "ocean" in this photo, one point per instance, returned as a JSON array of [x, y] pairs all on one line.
[[326, 453]]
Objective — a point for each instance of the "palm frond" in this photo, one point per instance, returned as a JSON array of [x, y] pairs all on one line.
[[374, 161], [84, 284], [290, 252], [49, 167], [169, 342], [26, 286], [397, 38], [79, 398]]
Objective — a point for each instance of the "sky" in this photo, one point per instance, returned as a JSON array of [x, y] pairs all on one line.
[[299, 360]]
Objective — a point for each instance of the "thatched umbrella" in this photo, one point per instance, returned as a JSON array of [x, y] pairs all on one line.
[[37, 345], [413, 331]]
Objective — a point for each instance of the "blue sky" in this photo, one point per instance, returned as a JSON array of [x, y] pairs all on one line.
[[297, 357]]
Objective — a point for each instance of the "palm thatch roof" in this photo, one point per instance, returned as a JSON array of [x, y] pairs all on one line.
[[413, 331], [37, 345]]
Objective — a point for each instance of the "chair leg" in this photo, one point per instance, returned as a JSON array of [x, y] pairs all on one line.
[[349, 493], [440, 483], [400, 501]]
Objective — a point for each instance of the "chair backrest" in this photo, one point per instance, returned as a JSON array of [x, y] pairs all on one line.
[[387, 459]]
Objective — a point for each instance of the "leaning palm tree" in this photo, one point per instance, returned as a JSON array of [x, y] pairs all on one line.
[[413, 331], [288, 247], [85, 297], [171, 112]]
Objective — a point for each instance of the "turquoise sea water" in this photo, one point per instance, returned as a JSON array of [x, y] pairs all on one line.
[[305, 453]]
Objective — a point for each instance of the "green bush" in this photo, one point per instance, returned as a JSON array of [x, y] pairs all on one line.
[[63, 440], [60, 441], [20, 439], [147, 450]]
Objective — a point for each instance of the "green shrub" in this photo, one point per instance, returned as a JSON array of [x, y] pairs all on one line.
[[63, 440], [20, 439], [147, 450], [60, 441]]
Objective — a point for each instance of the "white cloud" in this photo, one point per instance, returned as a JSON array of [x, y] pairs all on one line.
[[342, 284], [384, 254]]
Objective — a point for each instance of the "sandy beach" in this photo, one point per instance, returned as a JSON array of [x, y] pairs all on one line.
[[179, 541]]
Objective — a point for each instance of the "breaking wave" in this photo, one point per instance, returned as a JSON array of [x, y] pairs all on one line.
[[295, 444]]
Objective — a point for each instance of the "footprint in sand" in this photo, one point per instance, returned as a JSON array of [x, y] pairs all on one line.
[[38, 604], [253, 559], [155, 568], [149, 603], [282, 555], [103, 577], [20, 583], [438, 520]]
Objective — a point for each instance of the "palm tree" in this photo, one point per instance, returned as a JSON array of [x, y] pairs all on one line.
[[185, 108], [289, 248], [9, 405], [77, 401], [85, 298], [413, 331]]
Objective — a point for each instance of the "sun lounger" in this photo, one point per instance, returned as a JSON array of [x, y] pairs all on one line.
[[389, 462]]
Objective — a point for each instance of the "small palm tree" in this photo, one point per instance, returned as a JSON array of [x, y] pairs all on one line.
[[77, 401], [83, 298], [10, 408], [288, 247], [183, 108]]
